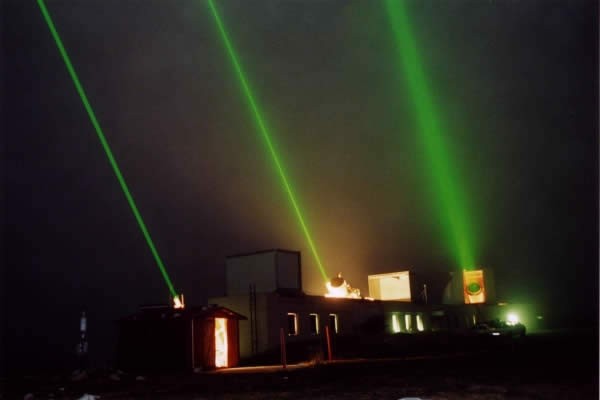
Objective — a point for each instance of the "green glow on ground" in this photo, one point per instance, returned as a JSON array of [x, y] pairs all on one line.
[[451, 198], [262, 127], [105, 145]]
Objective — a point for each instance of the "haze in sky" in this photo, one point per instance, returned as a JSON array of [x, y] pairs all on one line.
[[515, 85]]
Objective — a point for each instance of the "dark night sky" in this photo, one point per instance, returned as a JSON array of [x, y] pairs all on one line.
[[515, 82]]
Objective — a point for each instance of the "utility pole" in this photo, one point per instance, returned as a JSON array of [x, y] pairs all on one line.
[[82, 348]]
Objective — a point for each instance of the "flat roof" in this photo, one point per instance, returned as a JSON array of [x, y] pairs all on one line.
[[263, 251], [166, 312], [390, 274]]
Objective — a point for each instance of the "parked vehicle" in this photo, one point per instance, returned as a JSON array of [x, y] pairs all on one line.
[[498, 327]]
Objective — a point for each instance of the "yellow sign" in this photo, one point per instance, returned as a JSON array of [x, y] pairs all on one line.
[[474, 287]]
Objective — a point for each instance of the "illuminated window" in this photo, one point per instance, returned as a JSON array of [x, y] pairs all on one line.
[[408, 322], [313, 323], [420, 326], [333, 322], [292, 322], [395, 323]]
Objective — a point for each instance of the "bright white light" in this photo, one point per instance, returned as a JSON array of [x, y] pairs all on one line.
[[420, 326], [220, 342], [178, 301], [340, 291], [395, 323], [512, 319]]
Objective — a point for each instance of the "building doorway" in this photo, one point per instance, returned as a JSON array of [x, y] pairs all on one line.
[[221, 354]]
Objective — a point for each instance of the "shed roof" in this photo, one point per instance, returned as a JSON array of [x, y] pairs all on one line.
[[252, 253], [158, 312]]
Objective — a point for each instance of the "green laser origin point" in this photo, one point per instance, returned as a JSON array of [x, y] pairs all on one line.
[[451, 198], [262, 127], [103, 141]]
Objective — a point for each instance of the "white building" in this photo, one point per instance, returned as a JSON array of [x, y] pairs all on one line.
[[266, 287]]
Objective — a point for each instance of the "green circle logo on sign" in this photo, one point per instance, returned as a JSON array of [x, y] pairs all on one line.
[[473, 288]]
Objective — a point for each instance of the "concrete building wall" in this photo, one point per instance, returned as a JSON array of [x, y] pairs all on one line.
[[272, 312], [241, 305], [257, 269], [353, 317], [288, 270], [264, 329], [351, 313], [410, 318], [266, 271]]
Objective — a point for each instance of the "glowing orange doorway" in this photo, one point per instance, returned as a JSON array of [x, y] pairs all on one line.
[[221, 342]]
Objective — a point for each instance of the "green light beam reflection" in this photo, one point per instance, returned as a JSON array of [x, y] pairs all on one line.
[[451, 197], [265, 134], [100, 134]]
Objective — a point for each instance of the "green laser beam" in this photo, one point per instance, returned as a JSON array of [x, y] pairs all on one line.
[[104, 142], [451, 197], [265, 134]]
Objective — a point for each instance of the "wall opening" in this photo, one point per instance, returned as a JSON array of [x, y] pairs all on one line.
[[292, 324], [420, 325], [333, 322], [313, 323], [221, 342], [395, 323], [408, 322]]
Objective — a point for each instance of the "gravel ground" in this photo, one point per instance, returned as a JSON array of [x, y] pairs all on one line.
[[537, 368]]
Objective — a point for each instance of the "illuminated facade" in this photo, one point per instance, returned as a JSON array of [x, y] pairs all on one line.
[[266, 288]]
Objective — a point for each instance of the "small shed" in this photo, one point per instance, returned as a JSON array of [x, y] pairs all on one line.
[[161, 338]]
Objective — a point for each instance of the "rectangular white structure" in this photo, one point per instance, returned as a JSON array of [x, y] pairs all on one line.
[[392, 286]]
